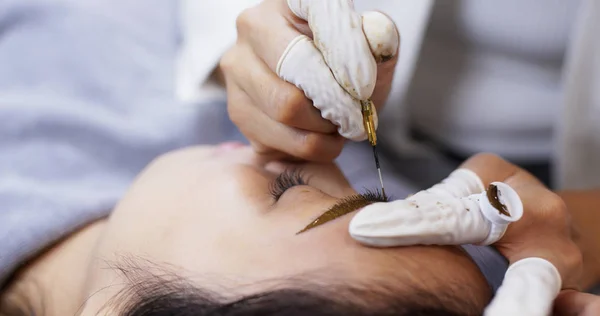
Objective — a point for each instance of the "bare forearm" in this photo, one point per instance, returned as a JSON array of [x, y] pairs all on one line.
[[584, 206]]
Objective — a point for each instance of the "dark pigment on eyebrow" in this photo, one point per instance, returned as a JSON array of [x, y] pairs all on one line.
[[345, 206], [492, 195]]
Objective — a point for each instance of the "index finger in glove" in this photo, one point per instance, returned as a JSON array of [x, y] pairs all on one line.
[[264, 33], [452, 216], [331, 69], [542, 256], [340, 61], [338, 33], [459, 210], [456, 211], [294, 58]]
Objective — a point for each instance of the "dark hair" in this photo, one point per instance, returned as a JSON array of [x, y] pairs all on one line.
[[154, 293]]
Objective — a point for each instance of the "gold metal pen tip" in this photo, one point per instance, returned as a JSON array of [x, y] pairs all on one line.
[[366, 108]]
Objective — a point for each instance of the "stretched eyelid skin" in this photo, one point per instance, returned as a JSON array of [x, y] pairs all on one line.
[[328, 178]]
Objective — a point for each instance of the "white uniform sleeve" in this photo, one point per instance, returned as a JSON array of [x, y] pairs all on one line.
[[208, 30]]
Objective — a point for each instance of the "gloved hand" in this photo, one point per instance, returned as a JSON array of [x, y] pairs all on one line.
[[532, 232], [298, 69]]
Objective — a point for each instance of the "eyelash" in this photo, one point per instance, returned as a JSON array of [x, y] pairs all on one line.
[[291, 178], [285, 181], [374, 196]]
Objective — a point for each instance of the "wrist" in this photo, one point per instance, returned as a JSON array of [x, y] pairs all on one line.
[[584, 208]]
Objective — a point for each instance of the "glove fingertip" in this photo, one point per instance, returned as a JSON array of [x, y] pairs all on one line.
[[299, 8], [529, 288], [287, 52], [382, 35]]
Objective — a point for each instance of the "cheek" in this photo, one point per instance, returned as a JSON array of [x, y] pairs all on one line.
[[273, 250], [262, 251]]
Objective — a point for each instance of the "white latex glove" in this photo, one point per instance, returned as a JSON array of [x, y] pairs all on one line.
[[453, 212], [296, 73], [339, 66], [457, 211]]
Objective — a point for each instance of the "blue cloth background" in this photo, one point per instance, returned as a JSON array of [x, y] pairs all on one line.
[[86, 101]]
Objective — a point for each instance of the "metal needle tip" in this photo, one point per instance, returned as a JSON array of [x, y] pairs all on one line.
[[379, 171], [381, 182]]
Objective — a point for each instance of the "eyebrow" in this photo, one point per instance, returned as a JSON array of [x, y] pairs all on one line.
[[344, 206]]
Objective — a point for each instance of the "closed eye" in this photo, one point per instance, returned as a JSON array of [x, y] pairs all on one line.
[[285, 181]]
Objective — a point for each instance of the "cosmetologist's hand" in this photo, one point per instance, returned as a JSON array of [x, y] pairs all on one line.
[[526, 222], [296, 74], [574, 303]]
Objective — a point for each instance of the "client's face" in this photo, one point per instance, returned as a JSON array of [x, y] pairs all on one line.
[[219, 216]]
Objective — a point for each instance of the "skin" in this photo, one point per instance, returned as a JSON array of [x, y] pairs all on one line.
[[301, 134], [280, 122], [207, 212], [583, 207], [558, 226], [577, 303]]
